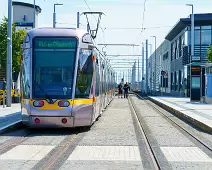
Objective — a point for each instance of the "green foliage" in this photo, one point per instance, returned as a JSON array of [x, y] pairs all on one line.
[[17, 41], [210, 55]]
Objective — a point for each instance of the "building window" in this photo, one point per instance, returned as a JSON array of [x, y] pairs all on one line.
[[172, 81], [180, 46], [172, 51], [206, 35], [197, 36], [175, 81], [175, 50], [165, 56], [180, 79], [164, 81]]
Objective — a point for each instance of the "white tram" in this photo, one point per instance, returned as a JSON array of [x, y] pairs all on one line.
[[65, 80]]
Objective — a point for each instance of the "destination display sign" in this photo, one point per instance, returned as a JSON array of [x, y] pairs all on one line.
[[55, 43], [24, 24]]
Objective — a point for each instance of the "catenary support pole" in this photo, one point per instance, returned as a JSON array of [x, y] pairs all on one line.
[[147, 67], [142, 69]]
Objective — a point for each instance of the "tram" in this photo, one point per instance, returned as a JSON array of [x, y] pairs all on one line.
[[65, 80]]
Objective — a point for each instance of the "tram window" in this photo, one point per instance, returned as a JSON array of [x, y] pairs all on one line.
[[97, 81], [84, 74], [53, 67], [25, 73]]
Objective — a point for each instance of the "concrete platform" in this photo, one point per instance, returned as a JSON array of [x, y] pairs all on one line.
[[9, 116], [198, 114]]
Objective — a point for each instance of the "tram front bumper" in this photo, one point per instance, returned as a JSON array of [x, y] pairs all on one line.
[[51, 122]]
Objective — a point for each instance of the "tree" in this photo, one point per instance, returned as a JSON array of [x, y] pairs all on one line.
[[17, 41], [210, 55]]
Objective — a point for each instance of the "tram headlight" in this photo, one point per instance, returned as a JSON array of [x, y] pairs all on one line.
[[63, 104], [38, 103]]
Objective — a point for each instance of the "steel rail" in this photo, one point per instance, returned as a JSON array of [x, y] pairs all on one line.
[[143, 133]]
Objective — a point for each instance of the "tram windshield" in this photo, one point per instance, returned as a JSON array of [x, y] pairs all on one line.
[[53, 67]]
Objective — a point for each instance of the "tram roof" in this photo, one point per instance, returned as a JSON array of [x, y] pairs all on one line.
[[75, 32]]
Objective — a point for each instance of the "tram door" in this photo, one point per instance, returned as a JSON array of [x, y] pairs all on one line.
[[96, 88], [102, 85]]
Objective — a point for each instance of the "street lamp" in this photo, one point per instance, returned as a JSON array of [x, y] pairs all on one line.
[[54, 16], [192, 42], [155, 67]]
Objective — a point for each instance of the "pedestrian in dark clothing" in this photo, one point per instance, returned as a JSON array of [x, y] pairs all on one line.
[[120, 90], [126, 90]]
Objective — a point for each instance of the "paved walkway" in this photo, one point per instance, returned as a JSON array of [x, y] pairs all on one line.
[[9, 115], [196, 111]]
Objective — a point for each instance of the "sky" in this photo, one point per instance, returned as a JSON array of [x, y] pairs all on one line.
[[120, 15]]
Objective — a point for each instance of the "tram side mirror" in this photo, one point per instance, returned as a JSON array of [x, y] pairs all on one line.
[[87, 39]]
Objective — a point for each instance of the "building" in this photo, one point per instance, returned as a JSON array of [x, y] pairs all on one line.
[[162, 58], [23, 15], [179, 38]]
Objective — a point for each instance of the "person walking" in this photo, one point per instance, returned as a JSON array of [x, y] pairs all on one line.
[[126, 90], [120, 90]]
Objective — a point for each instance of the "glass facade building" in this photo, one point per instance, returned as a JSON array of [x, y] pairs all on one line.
[[180, 39]]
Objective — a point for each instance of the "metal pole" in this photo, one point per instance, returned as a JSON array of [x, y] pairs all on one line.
[[54, 18], [34, 15], [192, 45], [155, 66], [78, 19], [138, 70], [9, 55], [161, 88], [142, 69], [192, 42], [147, 67], [151, 79]]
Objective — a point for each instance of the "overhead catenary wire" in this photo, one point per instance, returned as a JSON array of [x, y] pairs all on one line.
[[128, 28]]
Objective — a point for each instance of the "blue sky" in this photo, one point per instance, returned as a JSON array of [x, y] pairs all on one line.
[[120, 14]]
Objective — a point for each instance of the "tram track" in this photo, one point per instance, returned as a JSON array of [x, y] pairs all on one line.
[[151, 143], [58, 154], [161, 111], [154, 161], [56, 158]]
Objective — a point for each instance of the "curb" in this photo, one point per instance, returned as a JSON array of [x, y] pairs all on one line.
[[16, 125], [183, 116]]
